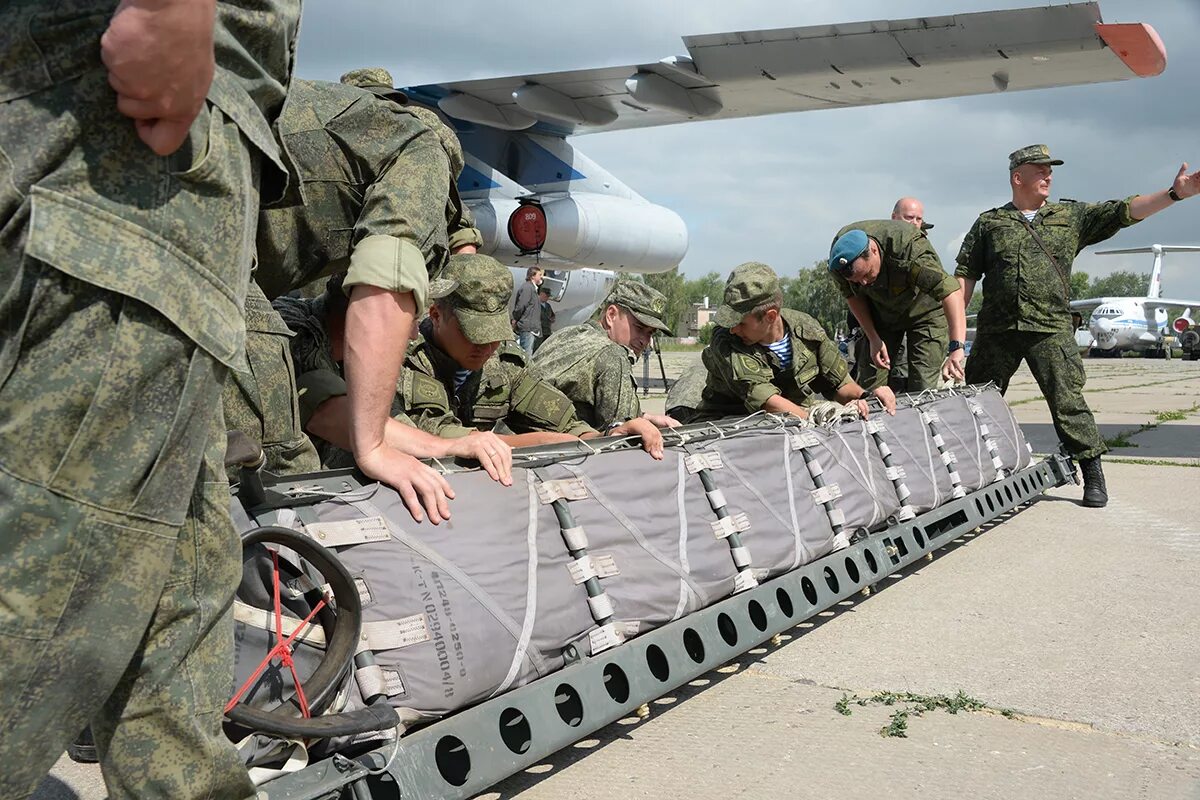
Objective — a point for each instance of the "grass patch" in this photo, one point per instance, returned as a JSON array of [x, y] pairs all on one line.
[[1122, 439], [915, 705], [1150, 462], [676, 347]]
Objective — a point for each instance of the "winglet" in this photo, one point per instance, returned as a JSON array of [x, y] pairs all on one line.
[[1137, 44]]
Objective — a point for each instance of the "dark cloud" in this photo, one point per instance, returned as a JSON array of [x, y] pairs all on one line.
[[777, 188]]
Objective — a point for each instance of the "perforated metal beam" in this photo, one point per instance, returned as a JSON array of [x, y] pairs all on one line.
[[464, 754]]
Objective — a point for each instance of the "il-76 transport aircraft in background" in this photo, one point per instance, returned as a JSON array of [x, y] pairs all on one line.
[[1118, 324], [537, 199]]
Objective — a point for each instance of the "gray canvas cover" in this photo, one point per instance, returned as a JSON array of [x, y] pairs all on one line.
[[913, 449], [959, 428], [765, 478], [1004, 429], [851, 459]]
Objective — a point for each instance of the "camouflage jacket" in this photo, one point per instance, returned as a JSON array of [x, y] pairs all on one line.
[[741, 377], [593, 371], [911, 283], [504, 391], [96, 203], [1024, 290], [362, 169]]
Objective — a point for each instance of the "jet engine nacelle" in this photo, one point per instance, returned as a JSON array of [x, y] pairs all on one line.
[[1183, 322], [592, 230]]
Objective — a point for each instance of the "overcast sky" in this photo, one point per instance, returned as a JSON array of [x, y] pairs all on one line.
[[776, 189]]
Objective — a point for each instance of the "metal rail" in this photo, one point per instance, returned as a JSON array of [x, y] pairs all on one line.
[[464, 754]]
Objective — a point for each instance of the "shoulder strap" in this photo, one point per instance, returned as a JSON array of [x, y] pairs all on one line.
[[1066, 281]]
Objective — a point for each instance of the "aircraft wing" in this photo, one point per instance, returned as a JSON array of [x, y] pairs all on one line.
[[752, 73]]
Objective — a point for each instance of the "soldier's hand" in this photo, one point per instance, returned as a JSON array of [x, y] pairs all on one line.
[[159, 55], [1186, 185], [887, 397], [422, 488], [879, 354], [492, 453], [652, 441], [952, 369], [661, 420]]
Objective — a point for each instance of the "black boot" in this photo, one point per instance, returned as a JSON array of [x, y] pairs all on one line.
[[83, 749], [1095, 493]]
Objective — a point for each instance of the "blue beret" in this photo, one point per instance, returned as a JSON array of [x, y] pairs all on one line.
[[849, 246]]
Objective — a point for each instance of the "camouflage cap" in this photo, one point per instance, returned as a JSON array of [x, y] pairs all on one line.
[[647, 304], [749, 286], [374, 79], [479, 288], [1032, 154]]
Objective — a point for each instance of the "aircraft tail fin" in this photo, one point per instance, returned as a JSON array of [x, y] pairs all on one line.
[[1154, 291]]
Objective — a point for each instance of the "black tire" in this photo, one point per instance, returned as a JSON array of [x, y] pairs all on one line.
[[342, 626]]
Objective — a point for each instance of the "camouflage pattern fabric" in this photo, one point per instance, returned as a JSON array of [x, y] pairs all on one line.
[[504, 392], [917, 356], [121, 305], [260, 400], [593, 371], [368, 194], [911, 283], [1025, 291], [1058, 369], [684, 396], [741, 377]]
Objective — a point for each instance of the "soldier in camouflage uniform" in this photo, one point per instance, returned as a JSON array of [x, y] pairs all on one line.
[[591, 363], [683, 398], [465, 374], [261, 400], [1026, 249], [894, 284], [317, 352], [764, 357], [124, 262], [372, 193]]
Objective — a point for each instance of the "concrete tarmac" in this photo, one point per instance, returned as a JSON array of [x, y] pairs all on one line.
[[1078, 629]]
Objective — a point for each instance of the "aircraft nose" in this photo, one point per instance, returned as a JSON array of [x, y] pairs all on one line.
[[1103, 325]]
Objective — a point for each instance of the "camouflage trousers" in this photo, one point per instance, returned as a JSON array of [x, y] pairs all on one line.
[[116, 580], [1057, 367], [262, 400], [917, 356]]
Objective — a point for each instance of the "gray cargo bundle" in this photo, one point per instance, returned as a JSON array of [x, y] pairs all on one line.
[[589, 547]]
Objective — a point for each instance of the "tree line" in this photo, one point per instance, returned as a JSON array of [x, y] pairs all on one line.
[[813, 291]]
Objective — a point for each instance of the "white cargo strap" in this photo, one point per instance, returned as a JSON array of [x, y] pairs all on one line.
[[725, 527], [710, 459], [998, 462], [593, 566], [600, 606], [716, 499], [902, 492], [875, 426], [826, 494], [371, 681], [392, 634], [983, 429], [393, 684], [349, 532], [815, 470], [628, 628], [803, 439], [286, 518], [365, 598], [837, 517], [581, 570], [955, 479], [741, 557], [561, 489], [976, 409], [744, 580], [884, 450], [906, 513], [929, 416], [938, 440], [991, 445], [262, 618], [605, 637], [575, 538], [949, 458], [958, 492], [894, 473]]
